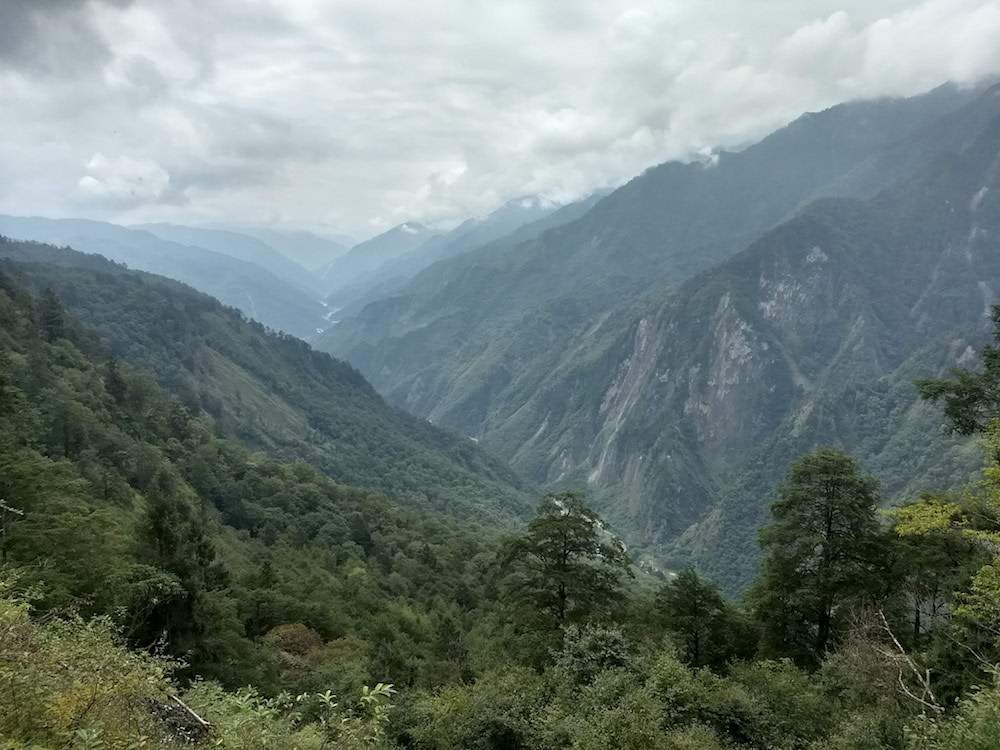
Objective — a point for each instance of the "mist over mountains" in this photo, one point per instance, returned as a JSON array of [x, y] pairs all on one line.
[[589, 375], [619, 344], [251, 288], [549, 353]]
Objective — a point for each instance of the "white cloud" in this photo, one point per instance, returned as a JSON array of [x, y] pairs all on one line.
[[355, 115], [124, 182]]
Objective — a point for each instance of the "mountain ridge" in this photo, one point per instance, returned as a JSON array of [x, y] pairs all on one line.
[[254, 290], [574, 398], [852, 301], [479, 237], [366, 257], [271, 390], [474, 317], [237, 245]]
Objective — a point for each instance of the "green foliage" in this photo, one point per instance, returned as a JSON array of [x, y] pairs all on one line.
[[709, 630], [927, 515], [498, 711], [971, 399], [822, 551], [975, 726], [589, 650], [567, 568], [651, 700], [161, 563], [268, 390], [121, 501], [71, 682]]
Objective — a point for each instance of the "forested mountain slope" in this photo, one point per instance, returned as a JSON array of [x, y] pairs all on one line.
[[469, 340], [270, 390], [163, 587], [246, 286], [673, 415], [812, 336], [119, 500]]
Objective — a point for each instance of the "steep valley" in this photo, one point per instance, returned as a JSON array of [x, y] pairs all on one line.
[[666, 406], [271, 390]]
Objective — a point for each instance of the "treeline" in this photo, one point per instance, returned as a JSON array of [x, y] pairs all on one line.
[[153, 568]]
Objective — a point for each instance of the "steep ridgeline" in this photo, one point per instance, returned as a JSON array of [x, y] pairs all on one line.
[[683, 425], [305, 248], [469, 341], [522, 218], [241, 247], [271, 391], [254, 290], [364, 258]]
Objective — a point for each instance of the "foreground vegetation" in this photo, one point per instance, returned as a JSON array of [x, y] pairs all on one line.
[[153, 568]]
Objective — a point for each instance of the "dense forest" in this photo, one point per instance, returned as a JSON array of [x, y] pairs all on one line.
[[167, 582], [591, 375], [270, 390]]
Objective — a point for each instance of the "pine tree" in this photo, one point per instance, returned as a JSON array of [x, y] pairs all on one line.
[[567, 567], [114, 383], [695, 613], [820, 552], [51, 317]]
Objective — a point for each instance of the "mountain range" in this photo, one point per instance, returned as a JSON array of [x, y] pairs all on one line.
[[276, 301], [367, 257], [240, 246], [669, 346], [514, 222], [711, 319], [305, 248]]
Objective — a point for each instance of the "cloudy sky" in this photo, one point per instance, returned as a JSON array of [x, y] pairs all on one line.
[[355, 115]]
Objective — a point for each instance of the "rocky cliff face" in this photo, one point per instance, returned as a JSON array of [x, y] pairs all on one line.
[[811, 336], [679, 395], [468, 341]]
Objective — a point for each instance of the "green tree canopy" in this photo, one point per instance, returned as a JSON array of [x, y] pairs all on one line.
[[820, 551], [567, 567], [971, 399], [707, 628]]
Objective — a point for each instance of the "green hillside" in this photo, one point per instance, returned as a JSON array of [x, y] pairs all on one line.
[[685, 421], [270, 390], [163, 587], [120, 499]]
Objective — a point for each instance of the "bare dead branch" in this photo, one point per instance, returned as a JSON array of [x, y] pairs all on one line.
[[923, 678], [187, 708]]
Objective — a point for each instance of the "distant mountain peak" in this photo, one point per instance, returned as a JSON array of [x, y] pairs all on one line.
[[576, 355]]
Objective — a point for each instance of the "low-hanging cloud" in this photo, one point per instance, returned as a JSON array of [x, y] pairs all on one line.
[[357, 115]]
